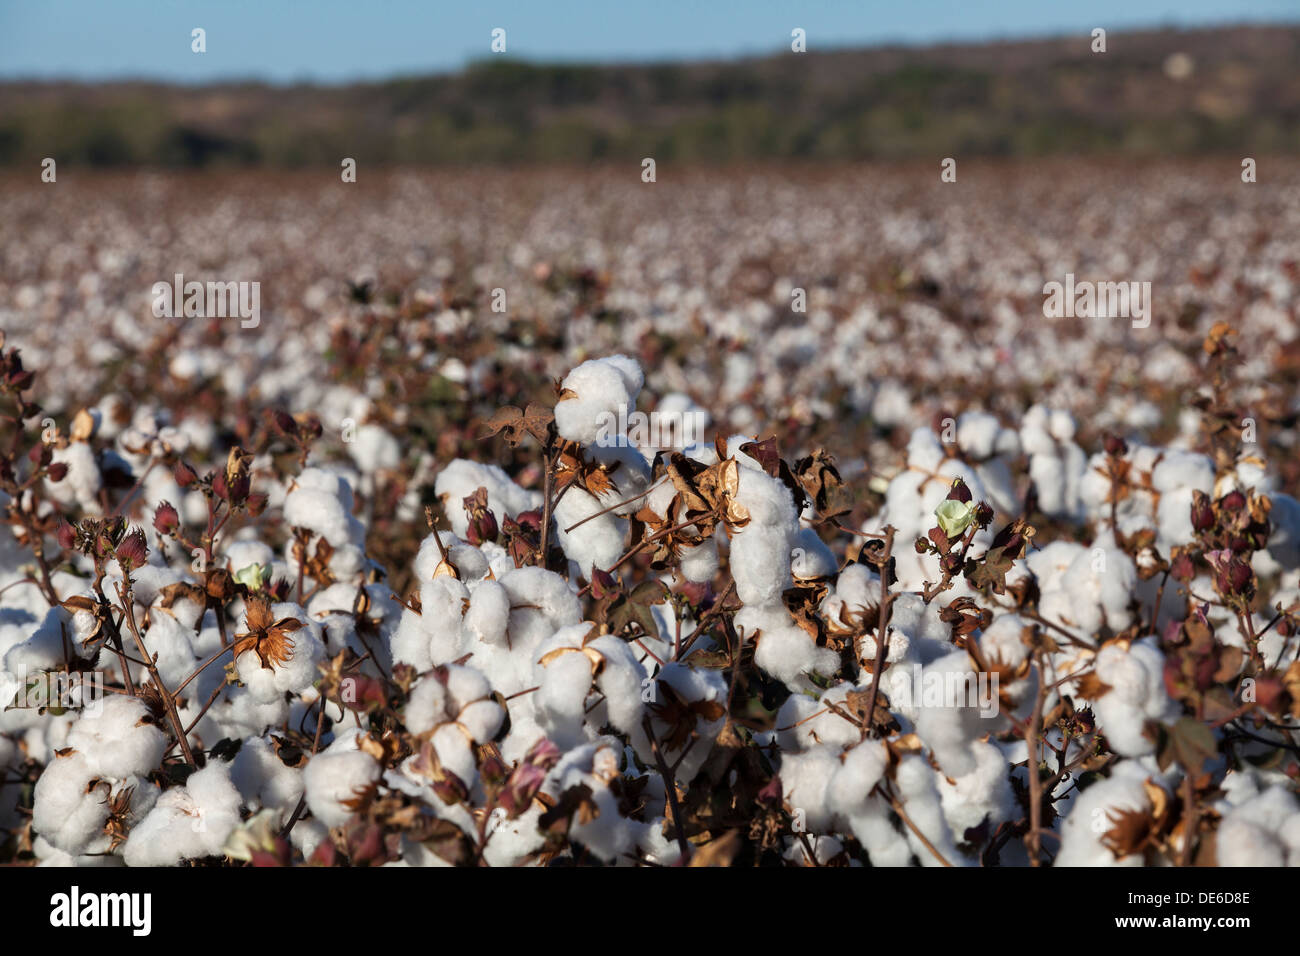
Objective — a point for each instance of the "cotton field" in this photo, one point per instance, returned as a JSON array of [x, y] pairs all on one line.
[[764, 516]]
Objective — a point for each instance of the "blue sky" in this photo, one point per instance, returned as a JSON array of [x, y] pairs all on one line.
[[333, 41]]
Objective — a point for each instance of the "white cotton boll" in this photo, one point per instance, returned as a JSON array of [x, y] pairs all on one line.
[[790, 654], [1093, 813], [67, 811], [488, 615], [805, 780], [1002, 642], [373, 449], [622, 680], [985, 792], [80, 486], [798, 729], [263, 779], [187, 822], [461, 478], [238, 713], [977, 434], [1261, 831], [1137, 694], [601, 388], [410, 643], [596, 542], [241, 554], [561, 696], [541, 602], [337, 775], [468, 560], [169, 641], [298, 673], [45, 648], [699, 564], [948, 722], [321, 501], [1061, 425], [919, 794], [120, 740], [917, 629], [859, 770], [629, 475], [760, 563], [811, 557]]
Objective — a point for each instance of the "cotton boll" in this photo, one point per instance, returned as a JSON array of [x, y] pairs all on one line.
[[1261, 831], [601, 387], [298, 673], [120, 740], [1093, 813], [79, 489], [69, 809], [1137, 694], [790, 654], [469, 562], [810, 556], [984, 793], [488, 615], [948, 722], [805, 779], [241, 554], [700, 563], [691, 686], [337, 775], [239, 713], [263, 779], [187, 822], [798, 728], [541, 603], [622, 680], [597, 539], [860, 769], [409, 643], [918, 792], [375, 450], [461, 478], [169, 641], [562, 693], [977, 434]]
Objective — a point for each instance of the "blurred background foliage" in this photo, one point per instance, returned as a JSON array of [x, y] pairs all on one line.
[[1182, 92]]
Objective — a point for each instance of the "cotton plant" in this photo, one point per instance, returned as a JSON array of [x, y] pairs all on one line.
[[597, 652]]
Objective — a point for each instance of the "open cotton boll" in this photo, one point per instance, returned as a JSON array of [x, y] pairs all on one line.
[[263, 779], [805, 779], [79, 488], [919, 794], [1136, 695], [949, 714], [374, 449], [187, 822], [239, 713], [561, 696], [295, 675], [595, 543], [469, 561], [120, 740], [168, 641], [798, 728], [977, 434], [321, 501], [541, 602], [691, 686], [790, 655], [699, 564], [461, 478], [621, 680], [984, 793], [337, 775], [1261, 831], [67, 811], [1090, 815], [600, 387], [455, 693], [760, 562], [859, 770], [488, 615], [811, 557], [45, 648]]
